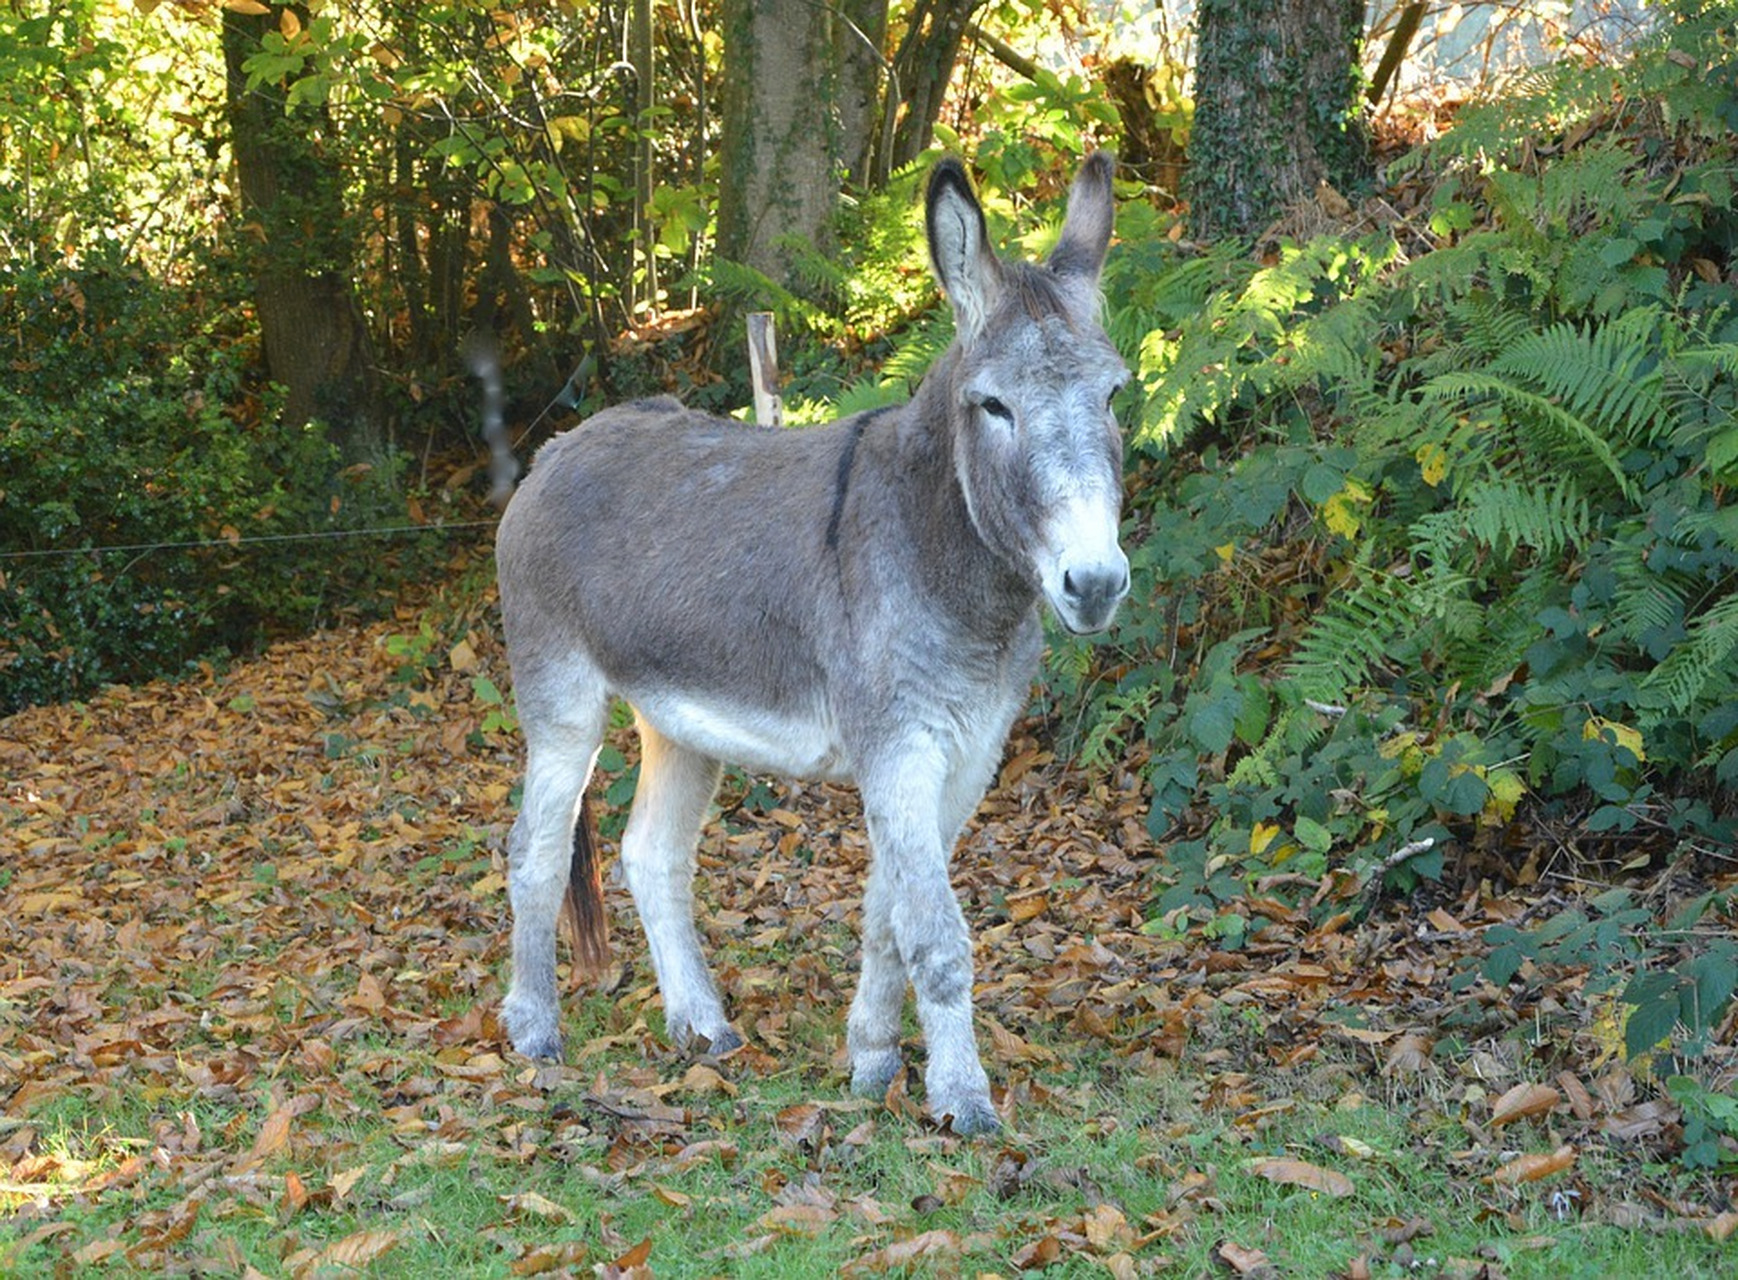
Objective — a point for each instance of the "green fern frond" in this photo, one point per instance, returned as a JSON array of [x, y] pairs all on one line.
[[1704, 663], [1597, 374], [1359, 632], [868, 393], [1566, 427], [1506, 515], [1114, 719], [1653, 605]]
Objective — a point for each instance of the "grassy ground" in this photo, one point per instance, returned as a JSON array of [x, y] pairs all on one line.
[[255, 937]]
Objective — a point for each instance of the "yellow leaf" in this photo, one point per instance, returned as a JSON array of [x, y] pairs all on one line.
[[1341, 517], [1261, 835], [1432, 462], [1226, 552], [1619, 734], [1506, 792], [344, 1183]]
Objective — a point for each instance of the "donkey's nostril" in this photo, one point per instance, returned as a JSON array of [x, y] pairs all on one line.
[[1069, 587]]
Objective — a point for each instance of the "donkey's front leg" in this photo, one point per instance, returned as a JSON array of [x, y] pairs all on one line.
[[910, 882], [872, 1032]]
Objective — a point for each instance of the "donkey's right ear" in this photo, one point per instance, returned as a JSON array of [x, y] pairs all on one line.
[[959, 247]]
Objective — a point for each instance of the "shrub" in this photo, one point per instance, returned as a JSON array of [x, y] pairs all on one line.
[[134, 462]]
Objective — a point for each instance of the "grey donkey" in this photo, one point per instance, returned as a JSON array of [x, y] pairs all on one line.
[[856, 602]]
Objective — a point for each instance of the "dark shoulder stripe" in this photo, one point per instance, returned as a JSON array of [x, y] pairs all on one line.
[[842, 481]]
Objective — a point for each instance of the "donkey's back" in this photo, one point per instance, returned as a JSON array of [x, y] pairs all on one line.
[[682, 560]]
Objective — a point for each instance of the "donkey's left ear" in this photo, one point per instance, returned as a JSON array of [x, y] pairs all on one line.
[[959, 247], [1086, 229]]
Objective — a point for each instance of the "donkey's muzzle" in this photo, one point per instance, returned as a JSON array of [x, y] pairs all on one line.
[[1091, 595]]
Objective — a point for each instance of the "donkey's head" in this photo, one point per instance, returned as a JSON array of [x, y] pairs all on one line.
[[1036, 447]]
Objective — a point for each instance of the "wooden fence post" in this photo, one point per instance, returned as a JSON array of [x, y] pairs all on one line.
[[769, 409]]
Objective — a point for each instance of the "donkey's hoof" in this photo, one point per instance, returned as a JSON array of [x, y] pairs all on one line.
[[532, 1036], [542, 1048], [726, 1041], [972, 1119], [873, 1072]]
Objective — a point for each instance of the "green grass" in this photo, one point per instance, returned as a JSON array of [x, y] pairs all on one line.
[[526, 1166]]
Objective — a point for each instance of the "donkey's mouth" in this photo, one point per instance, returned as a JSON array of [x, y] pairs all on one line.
[[1088, 599]]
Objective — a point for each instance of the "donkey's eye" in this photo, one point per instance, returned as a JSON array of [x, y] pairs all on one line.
[[996, 409]]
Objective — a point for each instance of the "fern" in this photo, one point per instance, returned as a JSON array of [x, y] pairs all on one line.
[[1598, 374], [1562, 433], [1703, 665], [1506, 515], [1360, 631], [1116, 715]]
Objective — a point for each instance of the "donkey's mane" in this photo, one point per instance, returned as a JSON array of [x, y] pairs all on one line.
[[1038, 291]]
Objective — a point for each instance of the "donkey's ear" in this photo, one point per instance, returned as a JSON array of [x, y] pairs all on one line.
[[959, 246], [1086, 230]]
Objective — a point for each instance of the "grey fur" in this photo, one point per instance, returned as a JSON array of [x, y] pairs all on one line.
[[858, 601]]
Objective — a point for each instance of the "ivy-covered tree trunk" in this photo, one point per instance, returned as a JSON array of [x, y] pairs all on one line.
[[311, 329], [1277, 109], [780, 182]]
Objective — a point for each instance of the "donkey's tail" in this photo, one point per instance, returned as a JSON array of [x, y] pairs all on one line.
[[584, 907]]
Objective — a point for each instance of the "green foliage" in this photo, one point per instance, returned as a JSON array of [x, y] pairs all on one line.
[[1421, 538], [118, 432]]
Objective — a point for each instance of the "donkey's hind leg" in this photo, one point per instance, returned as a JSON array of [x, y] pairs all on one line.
[[563, 741], [676, 786]]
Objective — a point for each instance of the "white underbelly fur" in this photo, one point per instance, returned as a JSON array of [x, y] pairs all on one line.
[[753, 738]]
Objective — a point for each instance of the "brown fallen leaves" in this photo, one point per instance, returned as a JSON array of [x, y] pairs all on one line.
[[292, 871]]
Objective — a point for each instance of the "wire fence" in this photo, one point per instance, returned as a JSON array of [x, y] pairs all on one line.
[[204, 544]]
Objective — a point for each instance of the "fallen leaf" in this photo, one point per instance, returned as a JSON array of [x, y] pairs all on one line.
[[901, 1254], [1532, 1167], [1244, 1262], [556, 1256], [1301, 1173], [1522, 1101], [1037, 1254], [798, 1219], [543, 1207], [1409, 1056], [356, 1250]]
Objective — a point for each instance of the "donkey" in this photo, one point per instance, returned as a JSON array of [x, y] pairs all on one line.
[[852, 602]]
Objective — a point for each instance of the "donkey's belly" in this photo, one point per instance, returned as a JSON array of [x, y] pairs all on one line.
[[756, 738]]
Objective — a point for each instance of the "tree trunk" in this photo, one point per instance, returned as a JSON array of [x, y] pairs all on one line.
[[780, 132], [862, 38], [311, 330], [642, 53], [1277, 109], [924, 65]]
